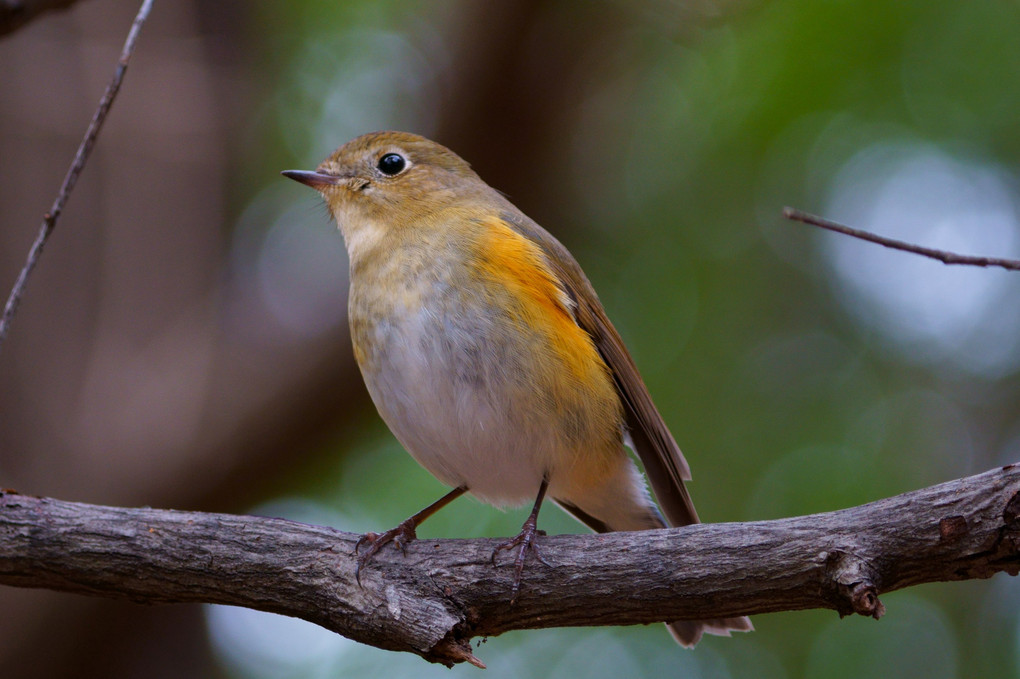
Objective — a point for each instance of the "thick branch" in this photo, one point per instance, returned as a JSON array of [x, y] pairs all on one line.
[[444, 592]]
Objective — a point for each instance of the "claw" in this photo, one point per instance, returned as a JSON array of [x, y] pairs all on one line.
[[367, 537], [400, 536], [403, 534], [526, 540]]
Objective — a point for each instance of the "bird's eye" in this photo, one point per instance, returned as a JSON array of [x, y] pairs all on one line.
[[392, 164]]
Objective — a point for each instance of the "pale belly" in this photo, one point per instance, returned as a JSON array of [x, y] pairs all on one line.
[[480, 402]]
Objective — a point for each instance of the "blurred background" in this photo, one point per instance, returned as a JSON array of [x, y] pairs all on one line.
[[183, 343]]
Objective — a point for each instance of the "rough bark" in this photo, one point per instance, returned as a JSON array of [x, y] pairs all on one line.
[[442, 593]]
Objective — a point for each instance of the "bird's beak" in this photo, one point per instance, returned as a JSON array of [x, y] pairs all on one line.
[[316, 180]]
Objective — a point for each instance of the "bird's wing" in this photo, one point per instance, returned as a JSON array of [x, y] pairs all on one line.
[[664, 463]]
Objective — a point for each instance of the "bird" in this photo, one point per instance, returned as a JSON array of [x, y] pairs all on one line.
[[486, 351]]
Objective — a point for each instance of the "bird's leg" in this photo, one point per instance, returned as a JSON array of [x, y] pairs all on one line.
[[403, 533], [526, 540]]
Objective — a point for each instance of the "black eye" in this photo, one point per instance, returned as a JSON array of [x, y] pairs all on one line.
[[391, 164]]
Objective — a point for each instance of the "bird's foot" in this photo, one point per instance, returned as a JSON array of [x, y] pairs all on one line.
[[400, 536], [526, 541]]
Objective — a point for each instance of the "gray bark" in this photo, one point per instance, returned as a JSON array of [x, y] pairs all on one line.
[[442, 593]]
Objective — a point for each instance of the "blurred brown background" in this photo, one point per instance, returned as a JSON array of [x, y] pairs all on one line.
[[182, 343]]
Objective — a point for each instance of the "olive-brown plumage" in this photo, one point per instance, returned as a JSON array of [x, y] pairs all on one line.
[[488, 354]]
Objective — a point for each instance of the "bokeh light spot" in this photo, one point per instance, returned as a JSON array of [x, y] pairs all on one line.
[[960, 316]]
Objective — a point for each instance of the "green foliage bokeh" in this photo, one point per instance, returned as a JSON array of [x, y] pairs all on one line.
[[669, 177]]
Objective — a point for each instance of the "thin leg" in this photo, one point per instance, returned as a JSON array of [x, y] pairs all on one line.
[[526, 540], [403, 533]]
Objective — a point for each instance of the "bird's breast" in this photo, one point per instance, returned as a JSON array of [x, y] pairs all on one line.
[[473, 358]]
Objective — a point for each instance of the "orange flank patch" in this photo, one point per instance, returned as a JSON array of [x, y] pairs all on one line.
[[535, 296], [568, 386]]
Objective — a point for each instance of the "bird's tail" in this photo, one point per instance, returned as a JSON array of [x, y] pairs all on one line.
[[623, 503], [688, 632]]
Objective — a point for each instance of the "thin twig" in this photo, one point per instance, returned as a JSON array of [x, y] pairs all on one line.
[[941, 255], [50, 218]]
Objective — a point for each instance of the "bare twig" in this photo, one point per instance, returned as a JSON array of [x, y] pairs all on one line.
[[442, 593], [941, 255], [50, 218]]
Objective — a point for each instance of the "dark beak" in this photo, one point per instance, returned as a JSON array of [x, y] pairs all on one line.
[[316, 180]]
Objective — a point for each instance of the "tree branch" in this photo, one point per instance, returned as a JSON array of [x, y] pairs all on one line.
[[943, 256], [443, 593]]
